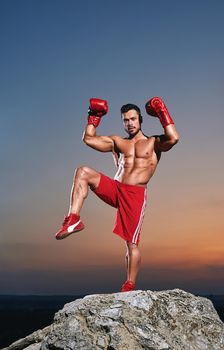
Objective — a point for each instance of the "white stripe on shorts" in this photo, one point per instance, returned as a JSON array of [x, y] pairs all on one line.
[[138, 228]]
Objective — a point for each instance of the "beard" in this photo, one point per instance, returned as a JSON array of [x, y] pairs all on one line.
[[132, 132]]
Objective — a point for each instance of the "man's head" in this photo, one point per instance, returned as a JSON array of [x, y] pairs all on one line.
[[132, 118]]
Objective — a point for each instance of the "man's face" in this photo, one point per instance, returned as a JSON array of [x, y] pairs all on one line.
[[131, 122]]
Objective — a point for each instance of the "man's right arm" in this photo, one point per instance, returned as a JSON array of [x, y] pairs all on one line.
[[97, 109], [99, 143]]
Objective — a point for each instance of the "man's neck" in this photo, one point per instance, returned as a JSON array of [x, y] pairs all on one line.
[[136, 136]]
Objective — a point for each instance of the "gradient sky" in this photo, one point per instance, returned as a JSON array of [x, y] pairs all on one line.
[[55, 55]]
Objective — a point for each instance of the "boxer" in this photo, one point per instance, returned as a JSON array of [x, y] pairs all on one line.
[[136, 157]]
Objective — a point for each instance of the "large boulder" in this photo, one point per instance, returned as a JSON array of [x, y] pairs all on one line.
[[164, 320]]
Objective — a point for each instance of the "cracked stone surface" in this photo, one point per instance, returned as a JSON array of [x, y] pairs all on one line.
[[164, 320]]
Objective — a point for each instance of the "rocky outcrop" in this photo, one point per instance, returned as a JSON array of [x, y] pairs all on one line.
[[32, 341], [165, 320]]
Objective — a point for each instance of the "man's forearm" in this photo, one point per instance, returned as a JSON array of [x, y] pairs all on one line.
[[157, 108], [171, 133], [89, 131], [167, 140], [97, 109], [89, 134]]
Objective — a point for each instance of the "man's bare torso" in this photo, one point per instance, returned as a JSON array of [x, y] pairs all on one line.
[[135, 159]]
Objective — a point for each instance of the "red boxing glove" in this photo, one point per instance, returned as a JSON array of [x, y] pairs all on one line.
[[157, 108], [97, 108]]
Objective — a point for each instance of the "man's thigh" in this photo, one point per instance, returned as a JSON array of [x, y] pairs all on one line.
[[106, 190]]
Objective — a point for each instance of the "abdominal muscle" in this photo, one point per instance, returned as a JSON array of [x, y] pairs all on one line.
[[135, 172]]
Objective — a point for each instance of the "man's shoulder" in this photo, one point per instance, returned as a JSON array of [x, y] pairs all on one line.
[[117, 138], [151, 137]]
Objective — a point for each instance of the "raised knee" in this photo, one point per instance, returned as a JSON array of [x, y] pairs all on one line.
[[82, 171]]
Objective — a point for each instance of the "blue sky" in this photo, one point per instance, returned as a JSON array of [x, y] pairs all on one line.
[[55, 55]]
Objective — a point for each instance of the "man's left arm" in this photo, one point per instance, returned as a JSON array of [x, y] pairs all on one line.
[[167, 140], [157, 108]]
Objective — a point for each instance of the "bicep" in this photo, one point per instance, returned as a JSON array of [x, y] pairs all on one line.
[[164, 144], [100, 143]]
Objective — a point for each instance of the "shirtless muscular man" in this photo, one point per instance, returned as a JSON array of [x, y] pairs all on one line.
[[136, 158]]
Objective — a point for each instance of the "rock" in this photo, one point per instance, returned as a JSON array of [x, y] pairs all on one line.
[[31, 342], [165, 320]]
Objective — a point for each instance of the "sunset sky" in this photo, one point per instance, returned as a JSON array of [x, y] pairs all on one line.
[[55, 55]]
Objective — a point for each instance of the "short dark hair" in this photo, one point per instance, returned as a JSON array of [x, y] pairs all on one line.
[[128, 107]]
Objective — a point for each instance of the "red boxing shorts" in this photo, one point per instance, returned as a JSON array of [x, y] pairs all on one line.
[[130, 202]]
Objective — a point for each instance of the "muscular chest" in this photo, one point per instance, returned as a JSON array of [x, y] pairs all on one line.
[[139, 149], [133, 151]]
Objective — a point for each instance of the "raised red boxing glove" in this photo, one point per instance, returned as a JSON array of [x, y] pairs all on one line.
[[97, 109], [157, 108]]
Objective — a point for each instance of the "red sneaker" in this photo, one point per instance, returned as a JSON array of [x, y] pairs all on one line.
[[71, 224], [128, 286]]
